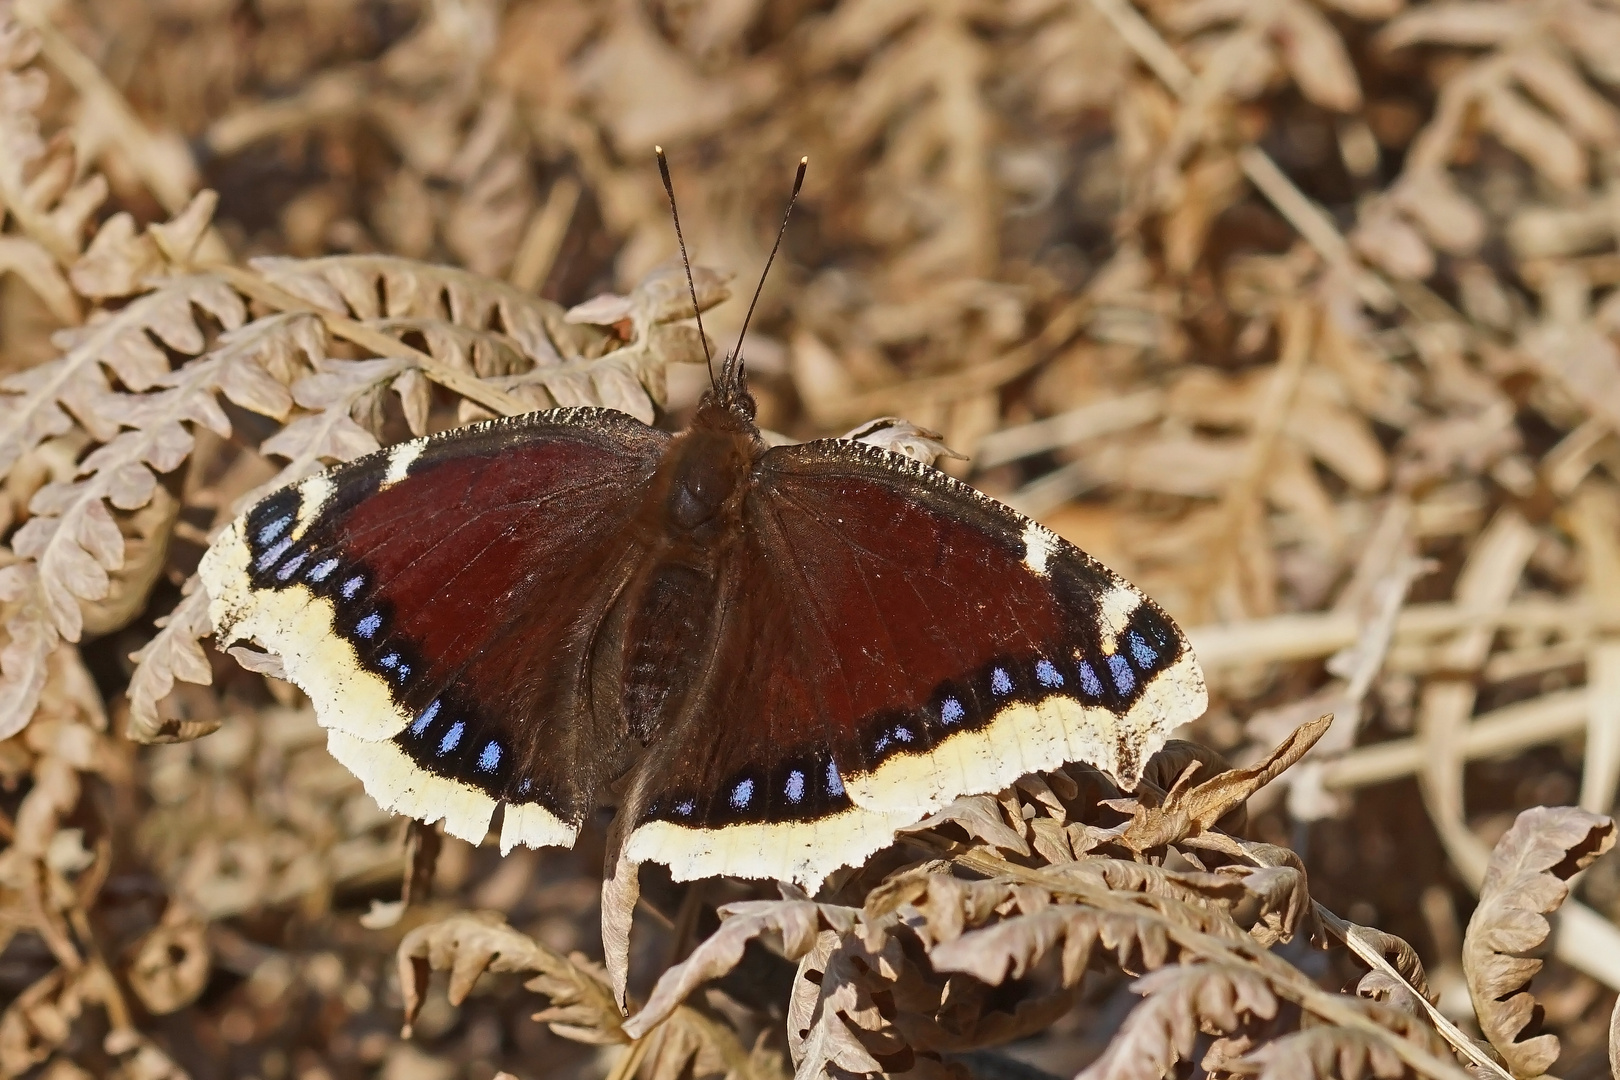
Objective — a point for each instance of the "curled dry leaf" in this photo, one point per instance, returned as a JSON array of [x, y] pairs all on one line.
[[470, 943], [1526, 880], [798, 922], [171, 963], [1323, 1053], [903, 437], [1181, 1001], [1190, 809]]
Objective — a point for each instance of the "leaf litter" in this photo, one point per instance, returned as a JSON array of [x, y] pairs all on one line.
[[1302, 315]]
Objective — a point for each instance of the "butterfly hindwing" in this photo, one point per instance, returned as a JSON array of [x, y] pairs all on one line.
[[435, 601], [896, 639]]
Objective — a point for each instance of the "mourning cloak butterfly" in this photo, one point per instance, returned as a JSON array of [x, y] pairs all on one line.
[[769, 658]]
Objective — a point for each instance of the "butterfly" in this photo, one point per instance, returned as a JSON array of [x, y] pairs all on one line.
[[768, 659]]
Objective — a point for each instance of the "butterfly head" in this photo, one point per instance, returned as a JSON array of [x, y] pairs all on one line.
[[727, 402]]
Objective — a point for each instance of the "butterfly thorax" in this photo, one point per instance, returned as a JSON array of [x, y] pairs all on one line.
[[690, 521]]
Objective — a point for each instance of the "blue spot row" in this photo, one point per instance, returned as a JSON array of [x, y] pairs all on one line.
[[490, 757], [268, 534], [452, 737], [835, 783], [1145, 655], [269, 558], [1124, 677]]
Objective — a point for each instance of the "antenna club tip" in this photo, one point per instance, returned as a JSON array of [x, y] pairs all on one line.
[[805, 160], [659, 150]]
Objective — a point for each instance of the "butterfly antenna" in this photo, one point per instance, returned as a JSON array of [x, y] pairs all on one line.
[[729, 370], [669, 189]]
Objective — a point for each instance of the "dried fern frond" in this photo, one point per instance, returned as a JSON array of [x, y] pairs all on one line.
[[469, 943], [1181, 1001], [1526, 880]]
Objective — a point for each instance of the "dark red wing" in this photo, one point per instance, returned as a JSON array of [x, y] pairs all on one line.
[[436, 601], [894, 639]]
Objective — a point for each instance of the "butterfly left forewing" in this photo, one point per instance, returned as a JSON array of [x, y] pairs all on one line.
[[434, 599]]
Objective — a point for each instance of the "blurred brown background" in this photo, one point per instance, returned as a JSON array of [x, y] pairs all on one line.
[[1301, 314]]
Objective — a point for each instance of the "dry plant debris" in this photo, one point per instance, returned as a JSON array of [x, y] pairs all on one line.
[[1302, 314]]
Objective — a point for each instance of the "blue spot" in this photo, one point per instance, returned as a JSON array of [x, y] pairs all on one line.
[[268, 534], [268, 559], [426, 718], [795, 787], [369, 625], [523, 788], [882, 743], [352, 586], [290, 567], [451, 737], [1048, 675], [835, 783], [1144, 654], [1124, 678], [323, 570], [685, 807], [1088, 679], [391, 660], [741, 794], [1000, 681], [902, 733], [951, 712], [490, 758], [404, 672]]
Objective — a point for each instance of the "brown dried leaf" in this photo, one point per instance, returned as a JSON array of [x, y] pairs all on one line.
[[1191, 810], [470, 943], [797, 921], [34, 265], [171, 963], [372, 287], [32, 636], [175, 652], [1322, 1053], [980, 816], [1527, 879], [1181, 1001]]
